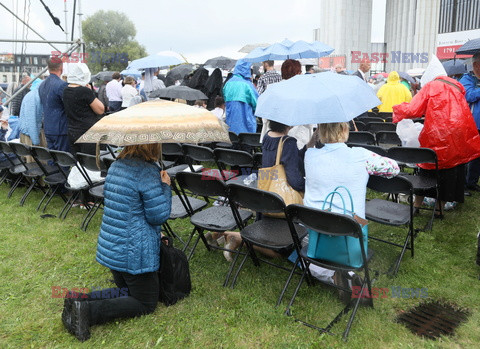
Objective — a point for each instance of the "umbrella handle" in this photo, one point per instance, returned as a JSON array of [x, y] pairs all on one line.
[[355, 125]]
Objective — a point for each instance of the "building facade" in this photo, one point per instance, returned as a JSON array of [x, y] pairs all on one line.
[[13, 66]]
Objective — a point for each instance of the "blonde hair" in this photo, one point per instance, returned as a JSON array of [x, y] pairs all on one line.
[[335, 132], [147, 152]]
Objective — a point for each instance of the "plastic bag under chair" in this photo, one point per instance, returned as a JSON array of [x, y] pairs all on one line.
[[338, 249], [76, 180], [408, 132]]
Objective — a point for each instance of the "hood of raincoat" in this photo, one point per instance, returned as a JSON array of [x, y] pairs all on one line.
[[449, 128], [393, 78], [243, 68], [78, 73]]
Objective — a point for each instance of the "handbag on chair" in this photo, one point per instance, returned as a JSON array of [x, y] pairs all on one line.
[[274, 179], [338, 249]]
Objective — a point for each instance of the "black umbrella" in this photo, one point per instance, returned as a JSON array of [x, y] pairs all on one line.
[[181, 92], [469, 48], [407, 77], [455, 67], [178, 73], [103, 75], [221, 62]]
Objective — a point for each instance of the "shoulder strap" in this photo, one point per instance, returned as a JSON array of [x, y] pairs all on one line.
[[280, 149], [450, 83]]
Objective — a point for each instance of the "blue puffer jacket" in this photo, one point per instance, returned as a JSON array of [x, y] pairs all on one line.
[[137, 203], [472, 94]]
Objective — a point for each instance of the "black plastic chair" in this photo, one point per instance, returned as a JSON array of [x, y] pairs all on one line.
[[359, 124], [250, 141], [215, 218], [392, 213], [55, 181], [240, 162], [205, 155], [361, 137], [172, 153], [385, 115], [332, 224], [11, 165], [375, 148], [388, 139], [270, 233], [375, 127], [367, 119], [422, 185]]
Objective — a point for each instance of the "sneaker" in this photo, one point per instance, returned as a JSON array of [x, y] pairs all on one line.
[[80, 320]]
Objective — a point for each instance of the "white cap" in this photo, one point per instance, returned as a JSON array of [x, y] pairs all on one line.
[[78, 73]]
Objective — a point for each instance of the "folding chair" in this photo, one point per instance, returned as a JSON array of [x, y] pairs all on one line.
[[270, 233], [8, 164], [392, 213], [196, 153], [422, 185], [361, 137], [233, 139], [367, 119], [385, 115], [55, 181], [250, 140], [215, 218], [240, 162], [34, 172], [359, 124], [332, 224], [388, 139], [89, 162], [375, 148], [172, 152], [375, 127]]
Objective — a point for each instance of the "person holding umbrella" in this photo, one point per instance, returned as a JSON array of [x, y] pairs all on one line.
[[241, 100]]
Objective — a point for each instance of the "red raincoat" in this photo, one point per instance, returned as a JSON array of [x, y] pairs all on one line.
[[449, 128]]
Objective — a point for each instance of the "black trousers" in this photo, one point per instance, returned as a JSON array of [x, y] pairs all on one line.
[[135, 295]]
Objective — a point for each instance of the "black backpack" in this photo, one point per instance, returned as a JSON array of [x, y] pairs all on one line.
[[174, 273]]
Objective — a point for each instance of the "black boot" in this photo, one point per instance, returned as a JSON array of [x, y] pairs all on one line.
[[71, 297], [81, 320]]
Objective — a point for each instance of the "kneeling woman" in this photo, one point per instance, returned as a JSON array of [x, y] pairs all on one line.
[[137, 202]]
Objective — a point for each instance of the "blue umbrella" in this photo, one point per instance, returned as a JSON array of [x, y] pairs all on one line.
[[469, 48], [407, 77], [154, 61], [289, 50], [131, 72], [316, 98], [455, 67]]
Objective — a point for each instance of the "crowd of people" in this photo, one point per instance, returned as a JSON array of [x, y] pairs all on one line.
[[55, 113]]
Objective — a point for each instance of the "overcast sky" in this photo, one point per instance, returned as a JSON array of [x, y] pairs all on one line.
[[197, 29]]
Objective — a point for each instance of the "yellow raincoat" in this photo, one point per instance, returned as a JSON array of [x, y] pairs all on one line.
[[392, 93]]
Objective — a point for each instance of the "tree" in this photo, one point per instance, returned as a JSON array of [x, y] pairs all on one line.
[[110, 41]]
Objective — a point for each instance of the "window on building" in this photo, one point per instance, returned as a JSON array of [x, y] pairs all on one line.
[[5, 80], [44, 61], [459, 15], [19, 59], [27, 60], [35, 60]]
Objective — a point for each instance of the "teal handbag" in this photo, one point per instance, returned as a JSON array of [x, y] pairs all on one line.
[[338, 249]]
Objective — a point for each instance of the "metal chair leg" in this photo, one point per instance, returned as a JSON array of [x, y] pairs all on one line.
[[29, 190], [232, 265], [288, 282], [287, 311], [14, 186], [93, 214], [43, 198]]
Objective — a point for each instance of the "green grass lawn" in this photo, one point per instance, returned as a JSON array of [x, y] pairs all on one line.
[[39, 253]]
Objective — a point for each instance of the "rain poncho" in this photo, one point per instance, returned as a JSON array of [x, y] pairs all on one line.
[[240, 100], [449, 128], [392, 93]]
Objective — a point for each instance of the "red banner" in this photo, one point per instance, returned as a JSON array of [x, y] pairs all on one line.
[[448, 52]]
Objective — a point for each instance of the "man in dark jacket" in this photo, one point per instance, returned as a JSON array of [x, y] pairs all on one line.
[[55, 119], [362, 71]]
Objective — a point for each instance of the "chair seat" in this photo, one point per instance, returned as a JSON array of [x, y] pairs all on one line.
[[167, 164], [21, 168], [224, 145], [7, 164], [387, 212], [331, 265], [37, 171], [239, 180], [97, 191], [172, 171], [178, 210], [420, 182], [272, 233], [218, 218], [215, 173], [57, 178]]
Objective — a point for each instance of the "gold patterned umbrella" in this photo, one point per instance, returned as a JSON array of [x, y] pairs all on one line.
[[157, 121]]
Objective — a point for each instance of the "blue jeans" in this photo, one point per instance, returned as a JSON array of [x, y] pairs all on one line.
[[114, 106], [58, 142]]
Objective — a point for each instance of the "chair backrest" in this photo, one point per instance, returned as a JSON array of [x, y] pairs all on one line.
[[251, 139], [172, 149], [64, 159], [20, 149], [41, 153], [200, 184], [413, 155], [257, 160], [233, 137], [375, 148], [255, 199], [374, 127], [361, 137], [367, 119], [324, 222], [360, 125], [385, 115], [89, 162], [395, 185], [198, 153], [372, 114], [108, 162], [388, 138], [232, 157]]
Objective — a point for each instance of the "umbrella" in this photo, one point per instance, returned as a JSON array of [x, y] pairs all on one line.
[[469, 48], [288, 49], [157, 121], [178, 73], [455, 67], [250, 47], [182, 92], [385, 75], [131, 72], [161, 59], [221, 62], [416, 72], [316, 98], [103, 75], [407, 77]]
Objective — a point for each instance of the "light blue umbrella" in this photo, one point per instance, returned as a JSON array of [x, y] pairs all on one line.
[[154, 61], [289, 50], [315, 99], [131, 72]]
